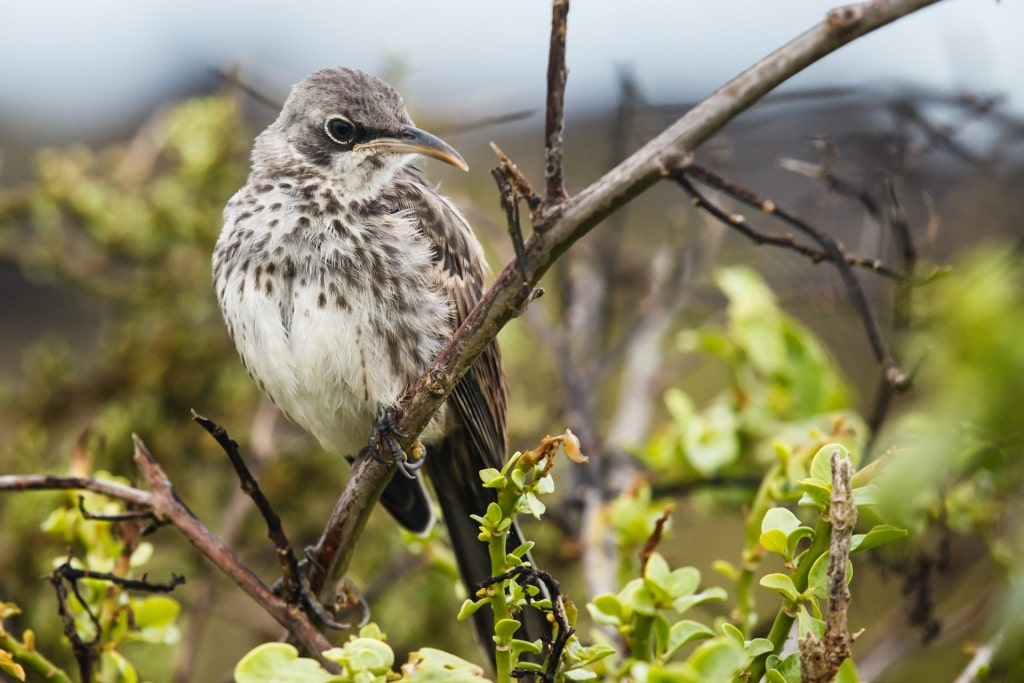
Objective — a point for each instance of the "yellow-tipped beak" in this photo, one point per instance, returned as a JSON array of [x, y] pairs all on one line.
[[415, 141]]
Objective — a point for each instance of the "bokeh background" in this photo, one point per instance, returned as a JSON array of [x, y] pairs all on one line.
[[123, 131]]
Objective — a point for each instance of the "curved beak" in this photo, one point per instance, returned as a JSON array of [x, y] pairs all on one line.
[[412, 140]]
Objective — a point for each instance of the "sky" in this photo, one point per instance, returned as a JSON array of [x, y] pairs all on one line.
[[73, 68]]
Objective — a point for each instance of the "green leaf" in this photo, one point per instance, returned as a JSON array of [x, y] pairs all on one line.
[[758, 647], [634, 596], [156, 611], [780, 583], [606, 609], [776, 527], [847, 672], [656, 569], [682, 582], [821, 463], [785, 670], [806, 623], [879, 534], [717, 660], [869, 494], [726, 569], [154, 617], [794, 538], [685, 602], [492, 478], [280, 663], [817, 493], [470, 607], [710, 438], [780, 518], [660, 628], [680, 406], [11, 667], [428, 665], [683, 632], [733, 633], [363, 655], [116, 667], [532, 505], [505, 629]]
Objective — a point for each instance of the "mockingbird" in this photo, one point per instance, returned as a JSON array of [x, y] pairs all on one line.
[[341, 272]]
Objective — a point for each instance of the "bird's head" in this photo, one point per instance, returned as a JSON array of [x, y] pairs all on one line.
[[351, 126]]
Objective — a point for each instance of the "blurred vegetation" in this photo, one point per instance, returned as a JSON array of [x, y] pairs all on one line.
[[132, 227]]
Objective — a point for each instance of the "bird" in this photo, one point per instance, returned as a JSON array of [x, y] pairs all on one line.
[[341, 272]]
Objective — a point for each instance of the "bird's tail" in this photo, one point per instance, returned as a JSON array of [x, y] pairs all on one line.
[[454, 471]]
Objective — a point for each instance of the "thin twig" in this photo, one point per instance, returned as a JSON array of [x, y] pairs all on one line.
[[275, 531], [977, 669], [519, 182], [71, 573], [232, 79], [509, 200], [554, 123], [741, 225], [53, 482]]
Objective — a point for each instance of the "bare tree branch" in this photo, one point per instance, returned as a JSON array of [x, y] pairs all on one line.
[[169, 508], [554, 123]]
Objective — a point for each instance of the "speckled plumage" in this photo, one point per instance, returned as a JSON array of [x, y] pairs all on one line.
[[341, 273]]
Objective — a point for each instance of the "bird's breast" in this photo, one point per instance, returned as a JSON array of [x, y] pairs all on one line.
[[333, 315]]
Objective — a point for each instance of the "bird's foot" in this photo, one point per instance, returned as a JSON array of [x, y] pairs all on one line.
[[302, 595], [385, 435]]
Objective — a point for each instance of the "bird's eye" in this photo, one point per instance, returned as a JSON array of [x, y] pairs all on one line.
[[341, 130]]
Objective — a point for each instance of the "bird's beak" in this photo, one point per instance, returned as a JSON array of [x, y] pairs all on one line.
[[415, 141]]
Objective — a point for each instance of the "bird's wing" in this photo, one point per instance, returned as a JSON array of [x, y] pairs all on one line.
[[479, 399]]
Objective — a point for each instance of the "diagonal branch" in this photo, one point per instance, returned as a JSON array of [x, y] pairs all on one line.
[[559, 229]]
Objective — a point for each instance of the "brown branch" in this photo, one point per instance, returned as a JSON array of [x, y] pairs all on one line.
[[820, 658], [169, 508], [554, 123], [52, 482], [740, 224], [275, 531], [558, 230], [204, 591]]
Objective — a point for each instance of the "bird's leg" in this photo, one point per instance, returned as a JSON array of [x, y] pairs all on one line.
[[386, 432], [302, 594]]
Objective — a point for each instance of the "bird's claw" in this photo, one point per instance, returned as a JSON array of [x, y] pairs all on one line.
[[386, 431], [303, 594]]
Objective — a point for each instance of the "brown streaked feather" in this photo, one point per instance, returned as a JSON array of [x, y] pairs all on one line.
[[475, 435], [478, 401]]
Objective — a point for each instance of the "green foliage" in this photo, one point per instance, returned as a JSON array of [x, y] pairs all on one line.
[[131, 226], [363, 659], [105, 615], [961, 445], [783, 391]]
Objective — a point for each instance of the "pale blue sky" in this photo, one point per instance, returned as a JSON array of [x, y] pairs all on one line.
[[84, 66]]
